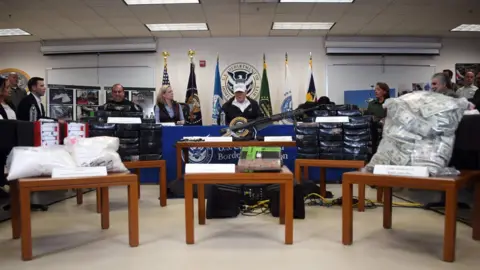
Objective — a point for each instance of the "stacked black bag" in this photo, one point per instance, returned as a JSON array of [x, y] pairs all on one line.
[[150, 141], [129, 135], [337, 141], [137, 141]]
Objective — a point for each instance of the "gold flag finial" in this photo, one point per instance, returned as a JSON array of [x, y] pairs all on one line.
[[191, 53], [165, 56]]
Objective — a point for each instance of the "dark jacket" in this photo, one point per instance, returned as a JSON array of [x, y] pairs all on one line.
[[376, 109], [23, 110], [125, 105], [2, 110], [231, 111], [164, 117]]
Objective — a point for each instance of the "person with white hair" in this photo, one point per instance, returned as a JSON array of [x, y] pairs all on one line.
[[16, 93], [440, 84], [240, 105]]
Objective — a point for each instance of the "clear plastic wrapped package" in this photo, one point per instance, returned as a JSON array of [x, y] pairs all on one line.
[[419, 130]]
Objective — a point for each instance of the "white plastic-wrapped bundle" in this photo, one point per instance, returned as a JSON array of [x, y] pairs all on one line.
[[96, 151], [420, 131]]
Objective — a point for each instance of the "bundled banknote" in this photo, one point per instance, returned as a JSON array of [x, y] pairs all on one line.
[[419, 130]]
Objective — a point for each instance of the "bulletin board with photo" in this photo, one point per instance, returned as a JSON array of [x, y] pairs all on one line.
[[461, 69], [61, 102], [145, 98]]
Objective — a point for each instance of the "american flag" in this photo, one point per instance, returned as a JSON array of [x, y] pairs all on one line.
[[166, 80]]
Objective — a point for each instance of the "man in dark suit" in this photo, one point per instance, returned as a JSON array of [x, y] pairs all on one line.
[[33, 100]]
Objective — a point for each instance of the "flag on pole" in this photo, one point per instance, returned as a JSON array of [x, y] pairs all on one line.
[[192, 99], [217, 95], [166, 79], [287, 104], [311, 92], [265, 101]]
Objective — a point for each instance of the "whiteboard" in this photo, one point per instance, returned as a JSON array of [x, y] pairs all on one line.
[[103, 76], [344, 77]]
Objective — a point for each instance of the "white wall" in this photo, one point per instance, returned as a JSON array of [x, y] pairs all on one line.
[[27, 57]]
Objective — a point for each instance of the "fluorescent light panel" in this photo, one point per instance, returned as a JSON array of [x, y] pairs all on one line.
[[159, 2], [467, 28], [13, 32], [316, 1], [178, 27], [302, 25]]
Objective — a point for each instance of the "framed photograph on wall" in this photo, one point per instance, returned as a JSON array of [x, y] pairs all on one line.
[[461, 69], [64, 112], [61, 96], [144, 97], [87, 97]]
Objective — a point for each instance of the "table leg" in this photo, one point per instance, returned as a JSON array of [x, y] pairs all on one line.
[[323, 182], [99, 200], [387, 208], [15, 209], [163, 185], [137, 172], [282, 204], [379, 194], [105, 208], [361, 197], [298, 171], [449, 236], [79, 196], [25, 223], [347, 212], [288, 213], [133, 233], [305, 173], [201, 203], [179, 162], [476, 213], [189, 229]]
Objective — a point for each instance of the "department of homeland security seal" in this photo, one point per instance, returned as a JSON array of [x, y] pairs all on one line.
[[23, 77], [199, 155], [241, 73]]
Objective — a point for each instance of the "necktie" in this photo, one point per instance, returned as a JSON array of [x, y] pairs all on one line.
[[42, 109]]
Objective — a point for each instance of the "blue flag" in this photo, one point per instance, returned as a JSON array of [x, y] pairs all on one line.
[[192, 100], [166, 80], [217, 96]]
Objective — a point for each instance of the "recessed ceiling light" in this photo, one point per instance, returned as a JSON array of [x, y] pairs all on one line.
[[160, 2], [13, 32], [178, 27], [316, 1], [467, 28], [302, 25]]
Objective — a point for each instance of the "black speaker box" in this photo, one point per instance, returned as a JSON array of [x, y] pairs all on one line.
[[223, 202], [298, 201]]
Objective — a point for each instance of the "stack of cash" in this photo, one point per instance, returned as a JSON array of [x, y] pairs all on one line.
[[419, 130]]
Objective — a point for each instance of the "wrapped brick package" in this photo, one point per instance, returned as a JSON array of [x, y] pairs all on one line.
[[419, 130]]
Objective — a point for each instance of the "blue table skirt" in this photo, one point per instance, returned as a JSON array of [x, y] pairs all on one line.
[[223, 155]]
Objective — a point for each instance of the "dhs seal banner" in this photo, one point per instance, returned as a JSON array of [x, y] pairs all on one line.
[[241, 73]]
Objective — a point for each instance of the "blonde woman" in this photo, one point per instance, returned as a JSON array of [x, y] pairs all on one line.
[[168, 110]]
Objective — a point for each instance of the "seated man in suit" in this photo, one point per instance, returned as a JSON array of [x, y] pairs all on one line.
[[119, 102], [31, 106]]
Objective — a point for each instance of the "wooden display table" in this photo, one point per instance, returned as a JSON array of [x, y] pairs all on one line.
[[284, 178], [387, 182], [183, 147], [324, 165], [21, 189], [137, 165]]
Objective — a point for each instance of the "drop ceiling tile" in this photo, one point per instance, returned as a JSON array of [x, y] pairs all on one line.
[[64, 4], [251, 25], [170, 34], [134, 31], [258, 9], [133, 22], [313, 33], [114, 12], [221, 9], [327, 13], [78, 14], [290, 17], [191, 34], [289, 33], [294, 8], [105, 3], [185, 13]]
